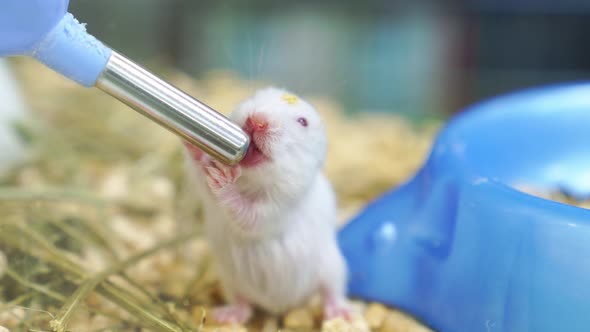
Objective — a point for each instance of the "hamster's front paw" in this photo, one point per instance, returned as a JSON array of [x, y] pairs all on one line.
[[195, 153], [220, 176]]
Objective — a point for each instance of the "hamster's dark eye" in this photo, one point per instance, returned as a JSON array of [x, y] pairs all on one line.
[[302, 121]]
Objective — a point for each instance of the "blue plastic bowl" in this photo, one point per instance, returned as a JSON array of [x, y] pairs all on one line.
[[463, 250]]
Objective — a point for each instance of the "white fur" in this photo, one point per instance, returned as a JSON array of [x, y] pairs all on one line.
[[12, 109], [282, 248]]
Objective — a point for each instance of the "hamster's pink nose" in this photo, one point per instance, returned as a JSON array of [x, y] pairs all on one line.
[[256, 123]]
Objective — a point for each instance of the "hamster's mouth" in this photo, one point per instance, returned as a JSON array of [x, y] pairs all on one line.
[[257, 127], [254, 156]]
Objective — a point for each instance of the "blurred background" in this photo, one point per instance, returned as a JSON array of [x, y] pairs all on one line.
[[81, 172], [412, 57]]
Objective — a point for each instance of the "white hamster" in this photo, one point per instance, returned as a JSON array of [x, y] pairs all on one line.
[[271, 220], [12, 110]]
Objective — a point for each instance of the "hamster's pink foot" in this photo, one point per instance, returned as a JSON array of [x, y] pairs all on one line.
[[238, 313], [336, 308], [220, 176], [332, 311]]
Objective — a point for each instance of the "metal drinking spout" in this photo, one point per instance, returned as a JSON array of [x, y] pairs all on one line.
[[45, 31]]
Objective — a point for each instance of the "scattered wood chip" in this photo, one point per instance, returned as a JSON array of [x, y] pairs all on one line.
[[357, 324], [375, 315], [298, 318]]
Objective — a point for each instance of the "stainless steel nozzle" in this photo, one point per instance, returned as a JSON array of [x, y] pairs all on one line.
[[173, 109]]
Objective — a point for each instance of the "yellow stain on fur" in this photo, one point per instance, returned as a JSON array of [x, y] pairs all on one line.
[[290, 99]]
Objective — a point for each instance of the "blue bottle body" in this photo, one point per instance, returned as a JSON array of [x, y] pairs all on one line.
[[23, 23], [462, 249], [44, 30]]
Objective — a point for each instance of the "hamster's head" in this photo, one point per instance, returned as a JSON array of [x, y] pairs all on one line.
[[288, 139]]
